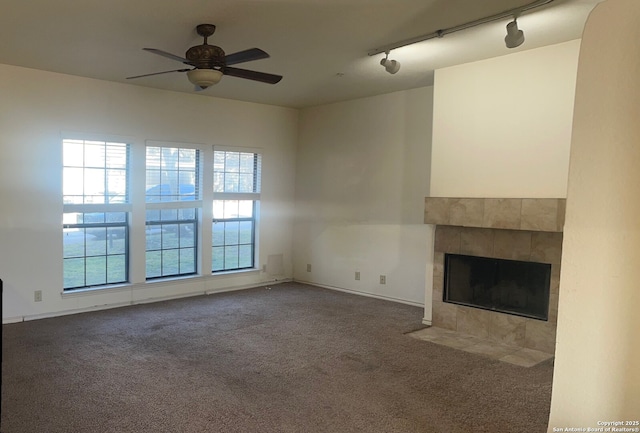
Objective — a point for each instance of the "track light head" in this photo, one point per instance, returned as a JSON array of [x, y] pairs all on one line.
[[391, 66], [515, 37]]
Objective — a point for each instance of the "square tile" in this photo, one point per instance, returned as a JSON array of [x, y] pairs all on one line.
[[474, 321], [512, 244], [540, 335], [508, 329], [492, 349], [546, 247], [476, 241], [502, 213], [539, 214], [526, 357], [447, 239], [466, 212], [444, 315], [436, 210]]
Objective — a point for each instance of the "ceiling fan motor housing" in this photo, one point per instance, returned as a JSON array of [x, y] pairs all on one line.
[[205, 56]]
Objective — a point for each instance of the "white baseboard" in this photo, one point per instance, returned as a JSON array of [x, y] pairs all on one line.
[[426, 322], [358, 292], [17, 319]]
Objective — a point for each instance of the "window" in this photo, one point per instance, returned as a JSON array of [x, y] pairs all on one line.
[[172, 202], [236, 186], [95, 219]]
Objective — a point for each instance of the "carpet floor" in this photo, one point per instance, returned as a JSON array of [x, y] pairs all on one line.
[[292, 358]]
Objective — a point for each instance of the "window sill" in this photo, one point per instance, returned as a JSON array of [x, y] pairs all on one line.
[[97, 290]]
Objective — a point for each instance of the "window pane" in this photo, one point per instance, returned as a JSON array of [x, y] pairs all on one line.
[[231, 209], [169, 214], [218, 259], [246, 162], [245, 209], [218, 234], [245, 259], [231, 182], [94, 154], [245, 182], [116, 268], [96, 270], [169, 236], [187, 235], [218, 209], [72, 179], [97, 246], [73, 243], [232, 162], [231, 257], [187, 261], [73, 153], [74, 272], [231, 233], [170, 265], [246, 232], [154, 264]]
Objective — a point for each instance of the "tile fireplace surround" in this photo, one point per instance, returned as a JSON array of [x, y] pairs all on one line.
[[527, 229]]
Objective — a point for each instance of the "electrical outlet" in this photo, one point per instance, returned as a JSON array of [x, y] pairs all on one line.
[[308, 267], [37, 296], [357, 275], [383, 279]]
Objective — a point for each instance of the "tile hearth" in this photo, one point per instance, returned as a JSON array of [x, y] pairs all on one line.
[[516, 355]]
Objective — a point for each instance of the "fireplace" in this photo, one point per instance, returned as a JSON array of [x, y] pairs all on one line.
[[507, 286], [514, 230]]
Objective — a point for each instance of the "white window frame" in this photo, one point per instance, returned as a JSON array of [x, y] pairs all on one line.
[[88, 208], [178, 205], [255, 197]]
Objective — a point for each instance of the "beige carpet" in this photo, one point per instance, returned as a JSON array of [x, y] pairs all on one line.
[[291, 359]]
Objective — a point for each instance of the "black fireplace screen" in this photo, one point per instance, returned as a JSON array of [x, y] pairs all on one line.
[[508, 286]]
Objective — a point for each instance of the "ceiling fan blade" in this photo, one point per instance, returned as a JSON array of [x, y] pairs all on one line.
[[167, 55], [252, 75], [158, 73], [245, 56]]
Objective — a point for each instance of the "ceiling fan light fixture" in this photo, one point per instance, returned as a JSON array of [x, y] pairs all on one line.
[[204, 78], [515, 37]]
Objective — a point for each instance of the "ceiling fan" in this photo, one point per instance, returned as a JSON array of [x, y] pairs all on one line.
[[209, 62]]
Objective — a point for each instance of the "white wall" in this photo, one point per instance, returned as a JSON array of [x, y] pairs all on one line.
[[362, 175], [502, 126], [597, 366], [36, 107]]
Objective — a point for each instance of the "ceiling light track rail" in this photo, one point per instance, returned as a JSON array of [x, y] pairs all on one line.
[[515, 12]]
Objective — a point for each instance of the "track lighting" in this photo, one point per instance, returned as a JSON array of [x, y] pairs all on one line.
[[391, 66], [515, 37]]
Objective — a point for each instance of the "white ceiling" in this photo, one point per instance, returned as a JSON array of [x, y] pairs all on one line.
[[319, 46]]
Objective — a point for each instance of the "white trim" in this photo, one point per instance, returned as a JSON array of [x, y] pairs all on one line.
[[97, 136], [96, 207], [358, 292], [176, 144], [160, 282], [247, 286], [426, 322], [255, 196], [29, 317], [177, 204], [222, 148]]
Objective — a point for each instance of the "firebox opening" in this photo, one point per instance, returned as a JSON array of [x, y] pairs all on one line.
[[508, 286]]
